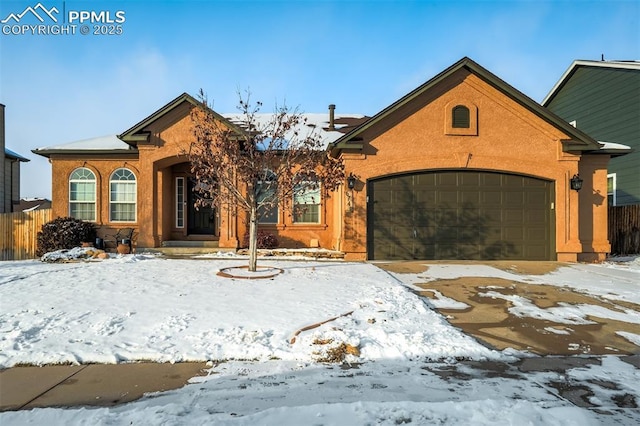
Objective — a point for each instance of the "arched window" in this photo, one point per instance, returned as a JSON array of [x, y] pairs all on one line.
[[267, 196], [122, 196], [82, 194], [460, 117]]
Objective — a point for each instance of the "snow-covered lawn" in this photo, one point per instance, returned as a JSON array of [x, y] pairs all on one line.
[[138, 307]]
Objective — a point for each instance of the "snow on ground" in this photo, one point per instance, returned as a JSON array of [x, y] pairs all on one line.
[[140, 307], [143, 308]]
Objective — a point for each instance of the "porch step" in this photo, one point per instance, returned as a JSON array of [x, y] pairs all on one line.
[[186, 248], [194, 244], [185, 251]]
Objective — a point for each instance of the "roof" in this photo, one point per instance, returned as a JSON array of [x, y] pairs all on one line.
[[127, 141], [137, 133], [614, 149], [101, 145], [626, 65], [314, 122], [30, 204], [14, 156], [580, 140]]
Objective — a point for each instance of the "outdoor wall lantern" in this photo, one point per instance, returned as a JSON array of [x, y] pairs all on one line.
[[576, 182], [351, 181]]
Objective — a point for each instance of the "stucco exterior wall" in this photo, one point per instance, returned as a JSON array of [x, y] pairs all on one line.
[[164, 157], [509, 138], [504, 136], [62, 168]]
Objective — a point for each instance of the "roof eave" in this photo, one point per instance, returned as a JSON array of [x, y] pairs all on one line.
[[18, 158], [579, 138], [85, 152]]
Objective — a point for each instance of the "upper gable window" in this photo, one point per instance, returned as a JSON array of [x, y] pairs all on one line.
[[460, 117]]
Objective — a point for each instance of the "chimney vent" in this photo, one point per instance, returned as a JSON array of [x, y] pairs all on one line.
[[332, 124]]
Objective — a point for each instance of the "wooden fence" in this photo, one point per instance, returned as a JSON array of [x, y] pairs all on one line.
[[18, 233], [624, 229]]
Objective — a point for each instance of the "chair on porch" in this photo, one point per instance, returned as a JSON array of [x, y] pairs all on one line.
[[123, 236]]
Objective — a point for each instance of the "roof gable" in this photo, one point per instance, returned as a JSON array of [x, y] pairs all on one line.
[[580, 140], [137, 133], [577, 64]]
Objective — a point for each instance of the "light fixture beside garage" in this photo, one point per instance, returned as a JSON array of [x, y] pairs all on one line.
[[576, 182], [351, 181], [351, 184]]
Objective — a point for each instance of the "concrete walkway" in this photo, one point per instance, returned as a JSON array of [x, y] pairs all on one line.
[[94, 384]]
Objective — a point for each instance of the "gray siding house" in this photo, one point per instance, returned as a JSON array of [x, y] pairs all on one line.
[[602, 98], [9, 173]]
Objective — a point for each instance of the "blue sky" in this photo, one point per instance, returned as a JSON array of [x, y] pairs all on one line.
[[359, 55]]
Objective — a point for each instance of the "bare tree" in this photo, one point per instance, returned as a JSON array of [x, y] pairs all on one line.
[[255, 163]]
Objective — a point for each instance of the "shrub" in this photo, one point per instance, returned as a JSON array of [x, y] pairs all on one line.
[[64, 233], [266, 240]]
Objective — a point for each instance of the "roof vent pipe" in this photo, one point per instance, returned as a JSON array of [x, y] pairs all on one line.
[[332, 110]]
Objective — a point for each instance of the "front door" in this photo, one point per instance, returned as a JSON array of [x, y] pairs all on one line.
[[200, 220]]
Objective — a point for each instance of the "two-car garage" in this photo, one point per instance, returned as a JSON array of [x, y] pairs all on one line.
[[460, 214]]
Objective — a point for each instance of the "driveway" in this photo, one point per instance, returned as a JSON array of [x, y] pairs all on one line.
[[490, 301]]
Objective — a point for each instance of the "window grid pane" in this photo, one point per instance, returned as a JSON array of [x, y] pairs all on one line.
[[265, 216], [122, 196], [82, 194], [306, 204], [180, 202], [83, 211]]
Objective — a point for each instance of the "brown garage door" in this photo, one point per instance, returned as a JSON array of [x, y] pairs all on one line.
[[460, 215]]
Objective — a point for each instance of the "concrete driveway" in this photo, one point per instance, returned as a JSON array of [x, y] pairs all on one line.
[[489, 320]]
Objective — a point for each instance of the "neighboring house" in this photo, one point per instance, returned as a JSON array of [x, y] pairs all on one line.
[[9, 172], [602, 98], [31, 204], [463, 167]]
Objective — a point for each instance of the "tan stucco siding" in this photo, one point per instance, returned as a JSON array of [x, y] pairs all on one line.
[[62, 168], [510, 139]]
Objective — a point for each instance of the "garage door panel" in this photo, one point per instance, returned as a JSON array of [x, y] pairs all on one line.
[[511, 216], [460, 214], [491, 197], [446, 179], [469, 179], [447, 197], [470, 197]]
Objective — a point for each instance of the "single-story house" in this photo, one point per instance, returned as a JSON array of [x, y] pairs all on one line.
[[463, 167]]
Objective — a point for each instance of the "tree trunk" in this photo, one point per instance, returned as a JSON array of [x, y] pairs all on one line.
[[253, 239]]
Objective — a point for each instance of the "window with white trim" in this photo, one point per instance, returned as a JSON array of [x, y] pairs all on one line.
[[122, 196], [611, 189], [266, 193], [82, 194], [180, 202], [306, 202]]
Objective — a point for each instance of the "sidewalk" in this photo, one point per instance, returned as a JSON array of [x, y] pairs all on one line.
[[94, 384]]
